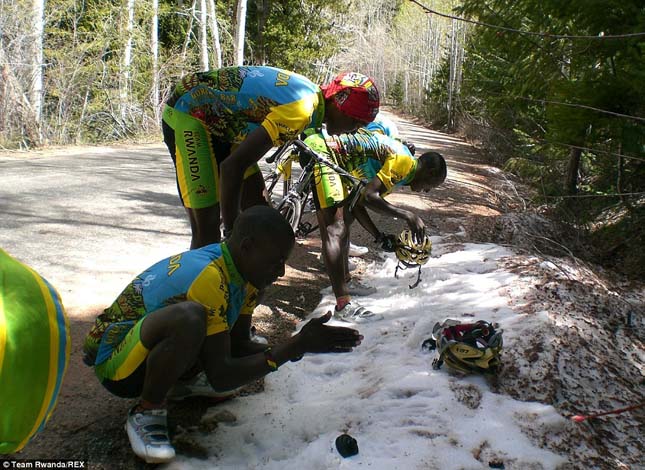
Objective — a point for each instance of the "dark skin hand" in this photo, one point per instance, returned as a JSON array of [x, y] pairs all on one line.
[[225, 372], [372, 198]]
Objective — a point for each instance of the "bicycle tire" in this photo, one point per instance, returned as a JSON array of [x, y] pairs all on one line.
[[291, 209]]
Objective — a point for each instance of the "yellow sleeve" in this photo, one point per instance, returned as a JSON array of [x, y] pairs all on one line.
[[396, 168], [211, 290], [286, 121]]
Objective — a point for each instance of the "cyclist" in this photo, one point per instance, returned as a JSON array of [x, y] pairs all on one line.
[[381, 125], [195, 309], [218, 124], [387, 164], [385, 126]]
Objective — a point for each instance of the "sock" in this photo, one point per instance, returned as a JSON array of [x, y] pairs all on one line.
[[145, 405], [342, 301]]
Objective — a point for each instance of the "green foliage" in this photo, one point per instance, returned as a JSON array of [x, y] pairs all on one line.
[[293, 34], [520, 85], [541, 101], [396, 91]]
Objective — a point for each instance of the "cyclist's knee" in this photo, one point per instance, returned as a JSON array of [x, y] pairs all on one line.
[[191, 318]]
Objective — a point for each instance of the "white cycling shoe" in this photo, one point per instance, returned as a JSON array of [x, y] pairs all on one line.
[[356, 313], [357, 250], [148, 434]]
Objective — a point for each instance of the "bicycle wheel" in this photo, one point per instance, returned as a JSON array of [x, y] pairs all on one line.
[[291, 209]]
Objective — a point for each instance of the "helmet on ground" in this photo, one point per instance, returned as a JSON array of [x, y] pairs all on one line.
[[468, 347], [354, 94], [411, 253]]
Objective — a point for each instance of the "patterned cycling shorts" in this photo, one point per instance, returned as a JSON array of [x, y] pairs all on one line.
[[329, 188], [196, 155], [121, 354]]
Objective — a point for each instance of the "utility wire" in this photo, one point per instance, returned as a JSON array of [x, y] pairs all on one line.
[[531, 33], [581, 196], [573, 105], [552, 142]]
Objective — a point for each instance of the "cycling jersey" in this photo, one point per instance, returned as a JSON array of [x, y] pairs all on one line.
[[365, 155], [207, 276], [233, 101], [383, 125], [209, 112]]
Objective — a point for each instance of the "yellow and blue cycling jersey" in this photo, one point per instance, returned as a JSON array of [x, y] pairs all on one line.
[[383, 125], [209, 113], [365, 155], [207, 276], [233, 101]]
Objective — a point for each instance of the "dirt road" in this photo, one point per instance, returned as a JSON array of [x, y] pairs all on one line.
[[89, 219]]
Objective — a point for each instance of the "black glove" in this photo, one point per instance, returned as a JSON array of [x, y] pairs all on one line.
[[387, 242]]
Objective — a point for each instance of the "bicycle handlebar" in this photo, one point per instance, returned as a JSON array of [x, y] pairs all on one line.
[[272, 158], [312, 154]]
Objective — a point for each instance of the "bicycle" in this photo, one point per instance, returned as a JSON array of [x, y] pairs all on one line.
[[283, 160], [297, 197]]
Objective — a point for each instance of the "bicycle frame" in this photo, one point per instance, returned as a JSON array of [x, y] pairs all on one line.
[[302, 184], [295, 197]]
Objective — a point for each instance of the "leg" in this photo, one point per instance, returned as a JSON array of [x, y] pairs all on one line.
[[205, 226], [334, 234], [197, 175], [174, 337]]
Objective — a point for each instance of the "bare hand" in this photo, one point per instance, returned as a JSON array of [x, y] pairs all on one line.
[[315, 337], [417, 227]]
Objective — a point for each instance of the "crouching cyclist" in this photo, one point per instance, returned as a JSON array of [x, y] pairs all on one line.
[[387, 164], [193, 311]]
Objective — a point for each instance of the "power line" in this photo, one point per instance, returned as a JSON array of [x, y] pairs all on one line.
[[573, 105], [531, 33], [581, 196], [552, 142]]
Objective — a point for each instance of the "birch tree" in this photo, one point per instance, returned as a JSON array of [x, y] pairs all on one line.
[[240, 30], [154, 47], [127, 59], [203, 36], [217, 48], [36, 89]]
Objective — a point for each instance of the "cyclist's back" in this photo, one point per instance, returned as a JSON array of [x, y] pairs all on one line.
[[367, 155], [384, 126]]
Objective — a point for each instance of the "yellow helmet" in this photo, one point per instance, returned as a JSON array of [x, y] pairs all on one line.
[[411, 253], [468, 347]]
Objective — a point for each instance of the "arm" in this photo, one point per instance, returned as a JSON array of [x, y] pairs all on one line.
[[372, 197], [361, 214], [232, 169], [226, 373], [241, 343]]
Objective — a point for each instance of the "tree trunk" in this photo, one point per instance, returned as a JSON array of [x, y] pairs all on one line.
[[572, 171], [215, 34], [189, 30], [203, 36], [263, 12], [620, 177], [124, 91], [240, 29], [154, 46], [36, 89]]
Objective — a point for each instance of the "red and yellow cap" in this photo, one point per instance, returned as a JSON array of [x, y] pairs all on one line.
[[354, 94]]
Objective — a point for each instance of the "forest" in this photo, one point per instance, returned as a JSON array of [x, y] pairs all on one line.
[[550, 91]]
